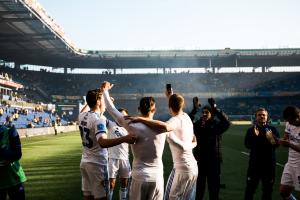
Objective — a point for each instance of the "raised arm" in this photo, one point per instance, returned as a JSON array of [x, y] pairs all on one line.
[[118, 117]]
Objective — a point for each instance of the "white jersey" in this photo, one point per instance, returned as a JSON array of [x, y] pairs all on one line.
[[183, 158], [92, 126], [294, 138], [120, 151], [147, 151]]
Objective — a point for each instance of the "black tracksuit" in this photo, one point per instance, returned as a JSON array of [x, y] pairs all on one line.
[[262, 161], [208, 153]]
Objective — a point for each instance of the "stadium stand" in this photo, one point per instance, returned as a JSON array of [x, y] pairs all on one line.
[[239, 94]]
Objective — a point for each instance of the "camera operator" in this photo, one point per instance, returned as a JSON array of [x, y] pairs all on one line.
[[208, 130]]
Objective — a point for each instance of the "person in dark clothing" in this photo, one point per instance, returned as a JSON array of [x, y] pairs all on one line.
[[261, 140], [208, 129], [12, 175]]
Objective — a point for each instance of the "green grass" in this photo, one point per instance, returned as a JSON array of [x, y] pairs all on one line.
[[51, 164]]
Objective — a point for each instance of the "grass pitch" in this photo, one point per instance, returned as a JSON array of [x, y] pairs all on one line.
[[51, 164]]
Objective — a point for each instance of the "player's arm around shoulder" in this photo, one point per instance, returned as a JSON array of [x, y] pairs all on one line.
[[104, 142]]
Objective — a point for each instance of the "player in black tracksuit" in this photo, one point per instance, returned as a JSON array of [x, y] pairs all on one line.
[[208, 130], [261, 140]]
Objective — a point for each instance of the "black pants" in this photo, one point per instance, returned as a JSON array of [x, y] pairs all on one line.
[[15, 193], [211, 174], [267, 178]]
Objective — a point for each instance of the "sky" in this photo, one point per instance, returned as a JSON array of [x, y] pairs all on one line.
[[178, 24]]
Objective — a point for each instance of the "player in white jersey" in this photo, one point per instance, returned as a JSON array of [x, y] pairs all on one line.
[[93, 131], [147, 167], [290, 179], [118, 158], [183, 178]]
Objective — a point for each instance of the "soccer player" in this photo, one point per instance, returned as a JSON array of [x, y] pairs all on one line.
[[208, 130], [147, 167], [118, 158], [183, 178], [12, 175], [261, 140], [94, 161], [290, 179]]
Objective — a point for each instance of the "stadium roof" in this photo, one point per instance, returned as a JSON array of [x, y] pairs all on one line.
[[28, 35]]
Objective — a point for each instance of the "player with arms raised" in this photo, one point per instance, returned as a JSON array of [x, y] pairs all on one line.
[[94, 161]]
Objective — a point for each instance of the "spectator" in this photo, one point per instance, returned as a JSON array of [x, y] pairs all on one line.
[[208, 129], [261, 140]]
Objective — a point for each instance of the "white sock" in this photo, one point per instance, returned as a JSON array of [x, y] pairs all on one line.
[[111, 192], [123, 193]]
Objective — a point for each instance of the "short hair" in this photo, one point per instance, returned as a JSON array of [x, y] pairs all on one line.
[[146, 104], [290, 112], [123, 110], [92, 96], [261, 109], [176, 102], [207, 107]]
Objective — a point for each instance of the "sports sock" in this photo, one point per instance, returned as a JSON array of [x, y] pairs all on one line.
[[111, 192], [123, 193]]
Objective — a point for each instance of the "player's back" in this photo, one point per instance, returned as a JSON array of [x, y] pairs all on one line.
[[182, 159], [91, 126], [147, 152]]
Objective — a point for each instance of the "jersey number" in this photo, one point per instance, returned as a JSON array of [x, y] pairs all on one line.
[[86, 140]]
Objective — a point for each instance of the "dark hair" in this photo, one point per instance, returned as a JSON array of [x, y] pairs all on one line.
[[123, 109], [92, 96], [290, 112], [146, 104], [207, 108], [260, 110], [176, 102]]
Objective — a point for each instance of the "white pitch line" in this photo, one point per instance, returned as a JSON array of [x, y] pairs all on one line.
[[247, 154]]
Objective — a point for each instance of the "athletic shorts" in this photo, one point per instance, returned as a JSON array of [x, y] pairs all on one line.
[[291, 176], [140, 190], [94, 180], [181, 185], [119, 166]]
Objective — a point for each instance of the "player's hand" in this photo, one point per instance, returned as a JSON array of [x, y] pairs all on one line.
[[105, 86], [212, 102], [130, 138], [284, 142]]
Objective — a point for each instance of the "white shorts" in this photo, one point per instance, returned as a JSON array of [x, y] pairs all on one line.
[[181, 185], [94, 180], [140, 190], [291, 176], [119, 166]]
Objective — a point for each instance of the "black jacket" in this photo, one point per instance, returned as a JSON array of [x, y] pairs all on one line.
[[208, 136], [262, 152]]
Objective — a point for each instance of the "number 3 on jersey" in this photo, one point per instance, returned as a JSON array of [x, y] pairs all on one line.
[[86, 140]]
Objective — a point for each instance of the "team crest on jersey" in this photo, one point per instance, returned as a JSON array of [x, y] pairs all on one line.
[[101, 127]]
